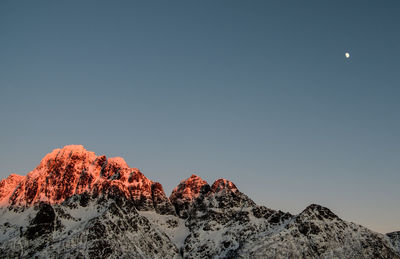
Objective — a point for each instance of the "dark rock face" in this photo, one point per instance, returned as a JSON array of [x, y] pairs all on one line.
[[84, 199], [315, 211], [43, 223], [161, 202], [45, 214]]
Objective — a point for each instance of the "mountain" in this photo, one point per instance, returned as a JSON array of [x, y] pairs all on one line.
[[73, 171], [395, 239], [75, 204]]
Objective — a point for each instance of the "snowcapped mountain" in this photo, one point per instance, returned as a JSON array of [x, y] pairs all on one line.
[[75, 204], [395, 239]]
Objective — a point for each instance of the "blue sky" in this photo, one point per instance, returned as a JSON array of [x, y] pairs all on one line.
[[258, 92]]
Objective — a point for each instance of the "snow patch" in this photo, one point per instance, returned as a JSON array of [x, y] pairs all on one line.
[[173, 226]]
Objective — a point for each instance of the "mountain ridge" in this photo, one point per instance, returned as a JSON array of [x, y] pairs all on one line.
[[78, 204]]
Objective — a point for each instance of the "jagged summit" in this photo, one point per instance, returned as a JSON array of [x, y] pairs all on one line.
[[78, 152], [194, 193], [68, 148], [188, 189], [223, 185], [186, 193], [72, 148], [315, 211], [66, 151], [73, 170], [118, 161]]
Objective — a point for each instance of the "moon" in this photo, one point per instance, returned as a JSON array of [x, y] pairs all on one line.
[[347, 55]]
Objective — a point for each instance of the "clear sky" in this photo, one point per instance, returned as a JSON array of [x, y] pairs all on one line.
[[258, 92]]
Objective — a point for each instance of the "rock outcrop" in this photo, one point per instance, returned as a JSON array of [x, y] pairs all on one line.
[[74, 170]]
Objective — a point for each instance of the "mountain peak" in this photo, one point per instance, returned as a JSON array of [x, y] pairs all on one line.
[[119, 161], [78, 148], [8, 185], [193, 177], [67, 152], [186, 192], [223, 185], [68, 149], [315, 211], [72, 170], [189, 188]]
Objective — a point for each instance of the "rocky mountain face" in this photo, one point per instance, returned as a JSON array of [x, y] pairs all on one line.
[[395, 239], [75, 204], [74, 170]]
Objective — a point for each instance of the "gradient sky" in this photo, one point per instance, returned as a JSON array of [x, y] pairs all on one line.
[[258, 92]]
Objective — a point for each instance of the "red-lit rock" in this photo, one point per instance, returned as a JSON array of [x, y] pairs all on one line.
[[73, 170]]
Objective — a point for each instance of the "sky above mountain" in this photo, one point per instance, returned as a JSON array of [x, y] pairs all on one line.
[[258, 92]]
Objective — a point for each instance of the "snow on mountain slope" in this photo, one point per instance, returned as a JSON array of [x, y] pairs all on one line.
[[395, 239], [173, 226], [75, 204], [98, 229], [318, 233], [222, 219]]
